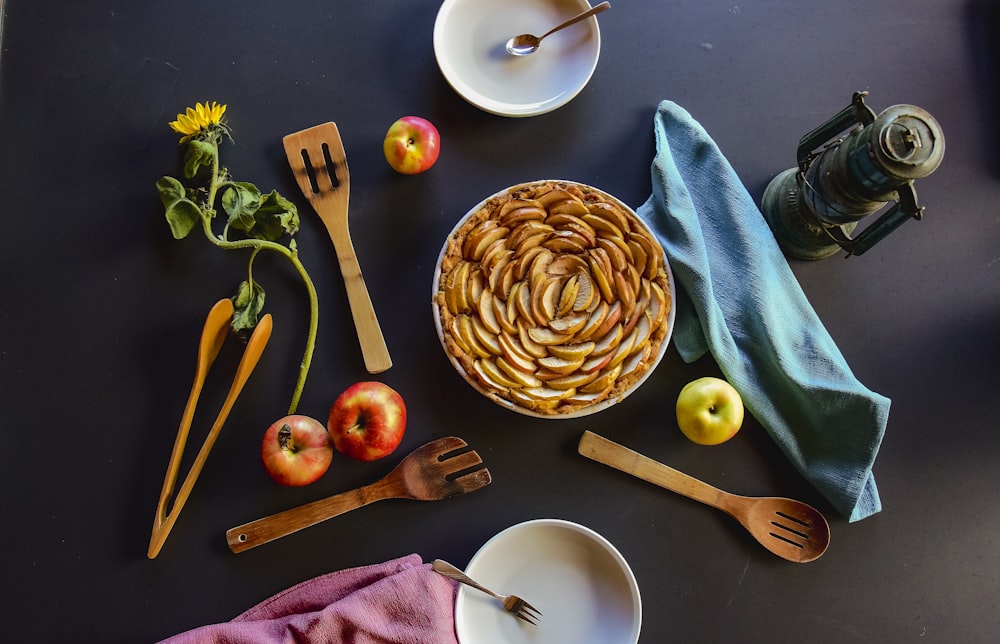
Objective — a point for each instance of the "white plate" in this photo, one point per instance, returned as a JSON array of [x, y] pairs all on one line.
[[469, 39], [581, 584]]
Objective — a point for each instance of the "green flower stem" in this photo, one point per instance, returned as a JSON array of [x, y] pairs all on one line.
[[258, 245]]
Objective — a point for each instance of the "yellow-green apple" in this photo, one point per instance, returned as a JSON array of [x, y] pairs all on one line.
[[411, 145], [367, 421], [296, 450], [709, 411]]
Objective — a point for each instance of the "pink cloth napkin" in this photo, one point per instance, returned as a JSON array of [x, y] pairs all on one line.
[[401, 601]]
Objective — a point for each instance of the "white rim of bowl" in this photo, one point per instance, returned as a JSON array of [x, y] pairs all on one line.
[[576, 527], [494, 106]]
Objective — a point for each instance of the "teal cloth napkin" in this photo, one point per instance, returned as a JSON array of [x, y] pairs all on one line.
[[739, 300]]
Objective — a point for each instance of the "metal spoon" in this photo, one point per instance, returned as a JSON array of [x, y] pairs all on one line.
[[527, 44]]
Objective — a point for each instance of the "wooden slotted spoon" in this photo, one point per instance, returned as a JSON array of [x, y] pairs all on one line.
[[319, 163], [790, 529], [429, 473]]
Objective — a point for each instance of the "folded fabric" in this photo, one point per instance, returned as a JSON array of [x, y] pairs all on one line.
[[401, 601], [739, 300]]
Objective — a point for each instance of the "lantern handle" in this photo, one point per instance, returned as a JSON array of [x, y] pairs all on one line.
[[904, 209], [857, 113]]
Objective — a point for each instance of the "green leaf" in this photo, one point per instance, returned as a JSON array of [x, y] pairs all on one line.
[[198, 153], [240, 201], [275, 217], [170, 190], [247, 305], [182, 213]]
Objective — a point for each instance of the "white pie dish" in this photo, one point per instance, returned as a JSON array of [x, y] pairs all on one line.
[[634, 381]]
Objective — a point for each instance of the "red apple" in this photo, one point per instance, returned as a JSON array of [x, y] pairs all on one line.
[[367, 421], [411, 145], [296, 450]]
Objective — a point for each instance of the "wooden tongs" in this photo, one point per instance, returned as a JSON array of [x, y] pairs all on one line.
[[212, 337]]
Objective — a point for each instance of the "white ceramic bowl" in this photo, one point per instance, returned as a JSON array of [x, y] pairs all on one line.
[[575, 577], [589, 409], [469, 39]]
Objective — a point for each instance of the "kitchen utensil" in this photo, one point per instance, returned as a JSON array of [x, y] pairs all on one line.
[[511, 603], [319, 163], [212, 337], [526, 44], [426, 474], [788, 528]]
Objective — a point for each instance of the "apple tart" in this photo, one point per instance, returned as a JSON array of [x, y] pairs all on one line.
[[553, 299]]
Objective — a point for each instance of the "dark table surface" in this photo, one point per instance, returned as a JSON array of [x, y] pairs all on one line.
[[101, 311]]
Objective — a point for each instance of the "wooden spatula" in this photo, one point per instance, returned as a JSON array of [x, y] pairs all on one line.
[[319, 162], [788, 528]]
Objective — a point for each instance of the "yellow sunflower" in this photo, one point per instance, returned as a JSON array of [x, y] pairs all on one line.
[[198, 119]]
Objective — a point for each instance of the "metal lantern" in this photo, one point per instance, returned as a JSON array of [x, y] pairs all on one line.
[[813, 209]]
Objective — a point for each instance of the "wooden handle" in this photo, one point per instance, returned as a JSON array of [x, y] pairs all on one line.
[[373, 347], [621, 458], [250, 535]]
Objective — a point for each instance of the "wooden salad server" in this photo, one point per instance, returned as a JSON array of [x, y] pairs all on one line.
[[212, 337], [788, 528], [435, 471], [319, 163]]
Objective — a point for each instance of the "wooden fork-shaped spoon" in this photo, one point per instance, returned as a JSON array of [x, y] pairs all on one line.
[[432, 472], [788, 528]]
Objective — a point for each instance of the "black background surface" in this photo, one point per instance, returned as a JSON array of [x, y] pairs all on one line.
[[100, 311]]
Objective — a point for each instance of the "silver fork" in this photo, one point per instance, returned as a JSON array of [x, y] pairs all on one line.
[[511, 603]]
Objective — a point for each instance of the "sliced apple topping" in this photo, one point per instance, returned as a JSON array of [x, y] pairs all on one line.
[[493, 376], [600, 277], [487, 313], [604, 381], [561, 366], [567, 297], [546, 336], [570, 324], [476, 245], [572, 351], [521, 214], [553, 296], [603, 226], [456, 288], [609, 341], [536, 349], [468, 336], [486, 339], [555, 195], [516, 355], [523, 378], [568, 207], [585, 293], [573, 380]]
